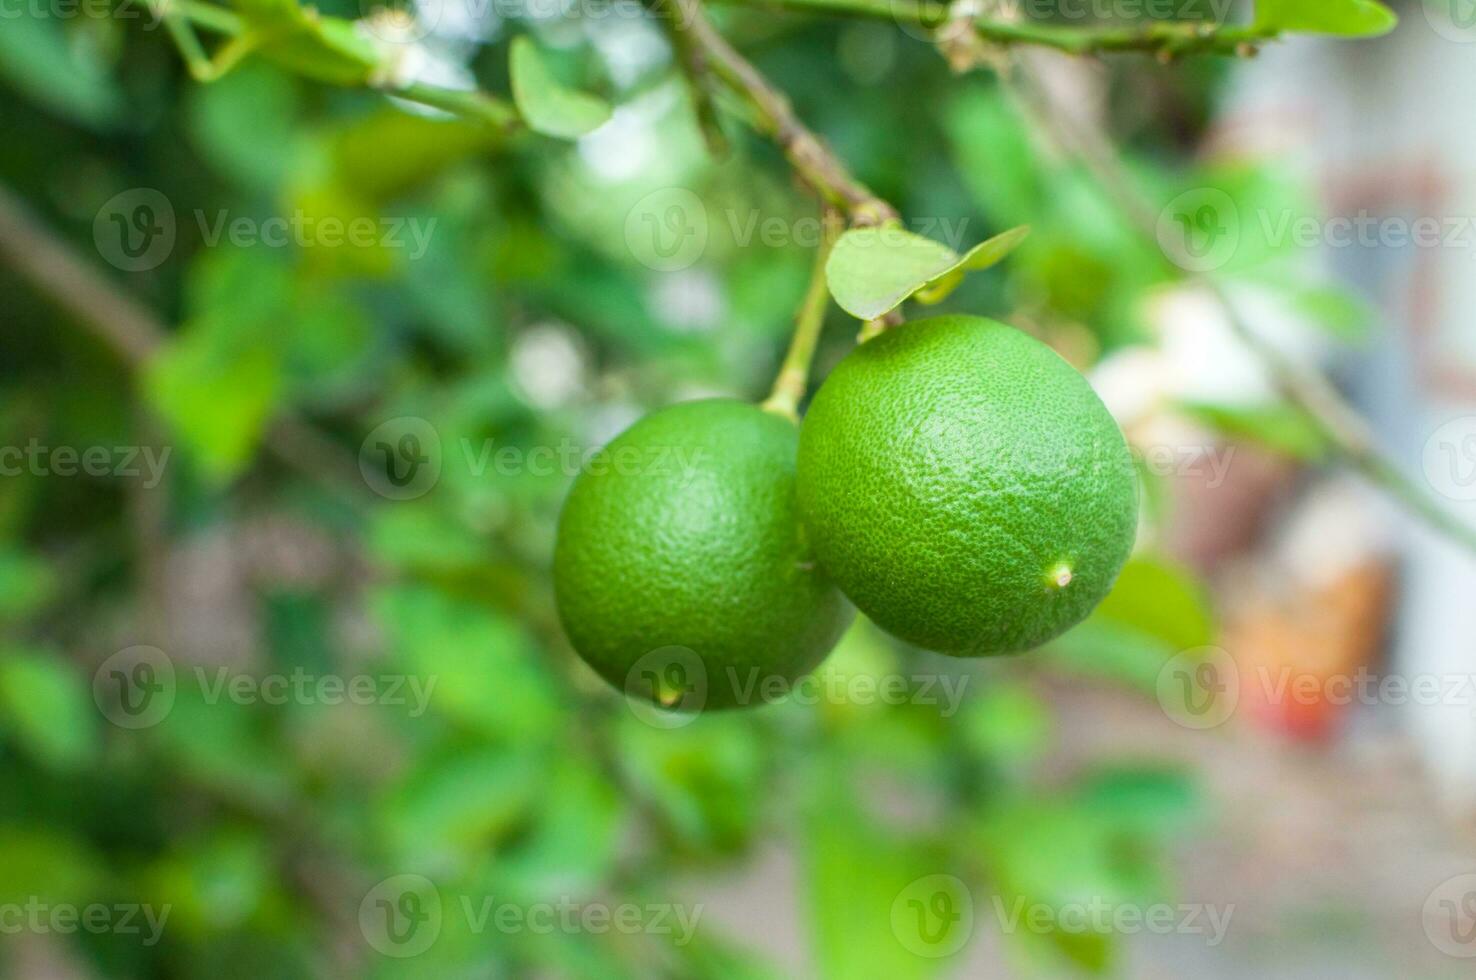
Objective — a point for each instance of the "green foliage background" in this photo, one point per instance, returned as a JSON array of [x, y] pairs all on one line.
[[263, 827]]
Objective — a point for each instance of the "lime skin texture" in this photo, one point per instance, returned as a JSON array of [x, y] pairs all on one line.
[[965, 487], [679, 550]]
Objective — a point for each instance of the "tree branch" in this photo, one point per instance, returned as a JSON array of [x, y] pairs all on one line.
[[135, 335], [794, 373], [1164, 38], [810, 157], [1336, 421]]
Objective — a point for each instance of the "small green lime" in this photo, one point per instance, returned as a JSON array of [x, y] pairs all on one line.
[[680, 571], [965, 487]]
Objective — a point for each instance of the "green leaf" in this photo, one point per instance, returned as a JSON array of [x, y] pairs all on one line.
[[545, 104], [1281, 428], [45, 703], [880, 905], [1155, 610], [26, 584], [484, 670], [217, 403], [1343, 18], [460, 802], [68, 79], [872, 271]]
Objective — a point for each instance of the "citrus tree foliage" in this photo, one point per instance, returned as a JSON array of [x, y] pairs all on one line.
[[562, 288]]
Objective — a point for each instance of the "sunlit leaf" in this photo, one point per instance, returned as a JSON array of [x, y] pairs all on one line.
[[874, 270], [546, 104], [1345, 18]]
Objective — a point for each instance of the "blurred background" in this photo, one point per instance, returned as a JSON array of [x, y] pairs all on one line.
[[294, 377]]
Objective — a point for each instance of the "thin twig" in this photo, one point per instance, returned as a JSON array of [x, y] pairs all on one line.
[[810, 157], [794, 373], [1162, 38], [135, 335], [1338, 423]]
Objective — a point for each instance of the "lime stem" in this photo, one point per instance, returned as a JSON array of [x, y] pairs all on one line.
[[794, 373]]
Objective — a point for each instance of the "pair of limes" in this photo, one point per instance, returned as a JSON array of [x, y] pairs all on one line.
[[954, 478]]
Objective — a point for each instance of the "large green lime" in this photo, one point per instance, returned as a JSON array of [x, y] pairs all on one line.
[[680, 571], [965, 486]]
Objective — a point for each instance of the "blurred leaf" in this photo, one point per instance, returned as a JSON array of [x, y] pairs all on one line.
[[1009, 725], [545, 104], [48, 864], [1281, 428], [1343, 313], [484, 671], [860, 881], [26, 584], [37, 58], [461, 802], [704, 779], [1155, 610], [218, 402], [222, 744], [47, 705], [246, 125], [1346, 18], [872, 271], [328, 49], [215, 885], [392, 152], [1145, 800]]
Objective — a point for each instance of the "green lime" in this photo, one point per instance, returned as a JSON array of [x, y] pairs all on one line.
[[680, 571], [965, 487]]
